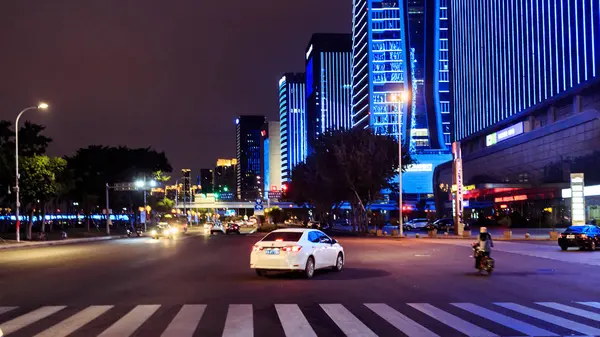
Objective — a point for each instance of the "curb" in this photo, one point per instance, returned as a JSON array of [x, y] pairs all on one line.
[[425, 237], [58, 242]]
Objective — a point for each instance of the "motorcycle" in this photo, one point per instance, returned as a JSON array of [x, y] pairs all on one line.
[[485, 262], [138, 232]]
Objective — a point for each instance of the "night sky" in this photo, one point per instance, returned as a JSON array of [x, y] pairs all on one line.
[[171, 74]]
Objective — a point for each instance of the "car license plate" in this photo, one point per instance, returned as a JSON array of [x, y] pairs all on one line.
[[570, 236], [272, 251]]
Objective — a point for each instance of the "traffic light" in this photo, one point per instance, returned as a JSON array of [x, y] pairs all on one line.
[[225, 189]]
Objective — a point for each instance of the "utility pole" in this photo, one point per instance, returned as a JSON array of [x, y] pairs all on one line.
[[108, 221]]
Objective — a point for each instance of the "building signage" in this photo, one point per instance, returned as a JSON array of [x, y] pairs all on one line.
[[465, 188], [511, 198], [275, 194], [504, 134], [457, 202], [310, 48], [577, 200], [419, 168]]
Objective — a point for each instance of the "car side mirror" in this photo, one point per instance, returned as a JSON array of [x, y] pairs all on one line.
[[333, 241]]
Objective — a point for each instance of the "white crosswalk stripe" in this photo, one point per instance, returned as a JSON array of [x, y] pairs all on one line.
[[410, 319], [457, 323], [75, 322], [186, 321], [293, 321], [239, 321], [510, 322], [553, 319], [127, 325], [29, 318], [346, 321], [399, 321]]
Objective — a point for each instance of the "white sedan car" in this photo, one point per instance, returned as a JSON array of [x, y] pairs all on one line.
[[296, 249]]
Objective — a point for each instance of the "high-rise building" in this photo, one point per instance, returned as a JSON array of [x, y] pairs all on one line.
[[292, 118], [400, 49], [225, 176], [526, 105], [206, 180], [328, 84], [271, 157], [248, 140]]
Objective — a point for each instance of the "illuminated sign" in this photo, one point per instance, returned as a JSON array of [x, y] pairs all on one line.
[[275, 194], [419, 168], [308, 52], [237, 121], [282, 80], [577, 200], [465, 188], [511, 198], [504, 134]]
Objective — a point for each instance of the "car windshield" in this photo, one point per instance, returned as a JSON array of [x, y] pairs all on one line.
[[577, 229], [282, 236]]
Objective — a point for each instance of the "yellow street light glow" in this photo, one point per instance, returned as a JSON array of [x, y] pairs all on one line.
[[43, 106]]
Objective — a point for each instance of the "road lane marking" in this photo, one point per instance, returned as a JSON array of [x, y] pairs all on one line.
[[129, 323], [572, 310], [293, 321], [556, 320], [31, 317], [452, 321], [239, 322], [346, 321], [401, 322], [510, 322], [75, 322], [591, 304], [186, 321], [4, 310]]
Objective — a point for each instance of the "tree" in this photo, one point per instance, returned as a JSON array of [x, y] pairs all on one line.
[[164, 205], [39, 183]]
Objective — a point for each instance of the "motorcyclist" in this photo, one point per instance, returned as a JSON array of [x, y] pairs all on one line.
[[484, 245]]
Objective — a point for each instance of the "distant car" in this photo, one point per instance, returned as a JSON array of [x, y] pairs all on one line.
[[297, 249], [232, 228], [444, 224], [217, 228], [165, 231], [416, 224], [584, 237]]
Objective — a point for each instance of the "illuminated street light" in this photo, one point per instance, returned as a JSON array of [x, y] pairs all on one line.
[[40, 106], [140, 183], [400, 98], [152, 183]]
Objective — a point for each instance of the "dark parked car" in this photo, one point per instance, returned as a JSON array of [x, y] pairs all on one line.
[[445, 224], [584, 237], [232, 228]]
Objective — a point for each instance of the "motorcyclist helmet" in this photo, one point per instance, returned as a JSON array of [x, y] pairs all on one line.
[[483, 230]]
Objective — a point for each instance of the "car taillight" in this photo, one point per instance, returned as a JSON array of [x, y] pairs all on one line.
[[257, 248], [583, 236], [292, 249]]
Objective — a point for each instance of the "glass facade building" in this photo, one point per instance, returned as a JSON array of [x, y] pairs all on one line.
[[248, 146], [292, 118], [328, 84], [402, 47], [510, 56]]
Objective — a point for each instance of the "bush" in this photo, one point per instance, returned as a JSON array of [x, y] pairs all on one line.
[[265, 228]]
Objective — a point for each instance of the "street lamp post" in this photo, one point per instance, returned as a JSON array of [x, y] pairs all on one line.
[[108, 221], [399, 98], [41, 106]]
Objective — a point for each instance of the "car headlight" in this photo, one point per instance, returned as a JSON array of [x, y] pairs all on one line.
[[173, 230], [153, 232]]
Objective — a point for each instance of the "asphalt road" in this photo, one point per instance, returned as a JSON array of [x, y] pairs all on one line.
[[202, 286]]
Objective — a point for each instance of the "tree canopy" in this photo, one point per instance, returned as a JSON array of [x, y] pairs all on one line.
[[353, 165]]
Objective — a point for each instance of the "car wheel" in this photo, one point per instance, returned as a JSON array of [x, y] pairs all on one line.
[[593, 246], [259, 272], [309, 270], [563, 247], [238, 233], [409, 228], [339, 262]]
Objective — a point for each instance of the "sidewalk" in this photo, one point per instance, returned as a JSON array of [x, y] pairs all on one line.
[[12, 244]]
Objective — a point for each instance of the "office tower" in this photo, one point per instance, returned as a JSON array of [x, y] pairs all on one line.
[[400, 49], [186, 183], [271, 157], [328, 84], [292, 118], [248, 140], [206, 180], [224, 180]]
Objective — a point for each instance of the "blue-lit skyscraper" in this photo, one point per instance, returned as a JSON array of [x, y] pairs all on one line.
[[401, 46], [248, 155], [510, 56], [328, 84], [292, 118]]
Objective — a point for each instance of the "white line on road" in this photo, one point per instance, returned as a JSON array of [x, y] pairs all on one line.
[[401, 322], [127, 325], [510, 322], [75, 322], [452, 321], [239, 321], [346, 321], [293, 321], [31, 317], [563, 322], [4, 310], [572, 310], [591, 304], [186, 321]]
